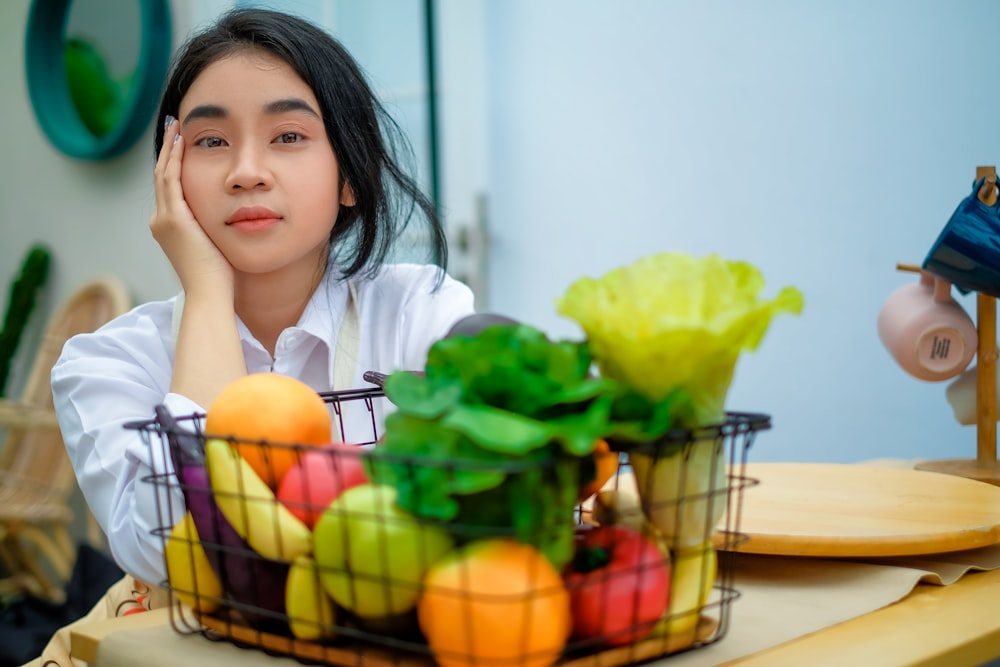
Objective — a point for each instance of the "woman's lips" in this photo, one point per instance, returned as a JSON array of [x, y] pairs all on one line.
[[253, 218]]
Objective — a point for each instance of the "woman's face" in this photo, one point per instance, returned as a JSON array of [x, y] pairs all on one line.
[[258, 170]]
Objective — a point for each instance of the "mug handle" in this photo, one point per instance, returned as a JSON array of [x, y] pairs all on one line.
[[942, 290]]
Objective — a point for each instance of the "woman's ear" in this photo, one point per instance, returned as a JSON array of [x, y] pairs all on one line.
[[347, 195]]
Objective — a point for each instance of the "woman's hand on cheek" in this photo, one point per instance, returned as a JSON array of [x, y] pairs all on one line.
[[195, 258]]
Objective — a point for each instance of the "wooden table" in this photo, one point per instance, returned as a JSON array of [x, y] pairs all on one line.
[[935, 626]]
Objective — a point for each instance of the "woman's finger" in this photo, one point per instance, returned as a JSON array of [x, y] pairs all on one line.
[[172, 172], [170, 205], [160, 168], [169, 130]]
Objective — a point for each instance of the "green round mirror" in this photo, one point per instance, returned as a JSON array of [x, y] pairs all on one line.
[[95, 69]]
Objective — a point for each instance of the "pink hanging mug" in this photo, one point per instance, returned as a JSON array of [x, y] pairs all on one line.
[[926, 331]]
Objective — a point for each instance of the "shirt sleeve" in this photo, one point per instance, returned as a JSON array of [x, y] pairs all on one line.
[[101, 382]]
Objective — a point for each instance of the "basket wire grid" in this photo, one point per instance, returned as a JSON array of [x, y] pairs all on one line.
[[250, 610]]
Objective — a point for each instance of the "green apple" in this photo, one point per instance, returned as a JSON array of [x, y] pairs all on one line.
[[373, 554]]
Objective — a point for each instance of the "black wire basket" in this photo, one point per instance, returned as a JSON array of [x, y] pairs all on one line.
[[361, 592]]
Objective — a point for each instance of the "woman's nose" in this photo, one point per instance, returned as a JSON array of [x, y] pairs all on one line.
[[249, 170]]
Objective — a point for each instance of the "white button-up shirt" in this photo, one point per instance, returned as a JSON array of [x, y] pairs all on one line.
[[119, 373]]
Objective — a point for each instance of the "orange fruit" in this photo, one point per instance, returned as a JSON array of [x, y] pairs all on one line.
[[606, 462], [273, 408], [494, 602]]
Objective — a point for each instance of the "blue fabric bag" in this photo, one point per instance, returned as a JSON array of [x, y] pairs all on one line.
[[967, 252]]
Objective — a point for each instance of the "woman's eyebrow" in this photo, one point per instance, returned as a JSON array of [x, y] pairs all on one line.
[[284, 105], [290, 104], [205, 111]]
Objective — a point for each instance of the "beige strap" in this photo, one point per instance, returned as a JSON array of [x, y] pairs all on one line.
[[175, 319], [345, 357]]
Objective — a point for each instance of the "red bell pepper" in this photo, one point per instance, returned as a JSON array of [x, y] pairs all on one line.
[[619, 584]]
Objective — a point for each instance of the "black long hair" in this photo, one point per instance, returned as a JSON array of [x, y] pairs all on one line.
[[367, 142]]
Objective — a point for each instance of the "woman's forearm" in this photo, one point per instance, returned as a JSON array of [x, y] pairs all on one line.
[[209, 354]]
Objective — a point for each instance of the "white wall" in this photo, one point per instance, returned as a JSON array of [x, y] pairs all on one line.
[[823, 142]]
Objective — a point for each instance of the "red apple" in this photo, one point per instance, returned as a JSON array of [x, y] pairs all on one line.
[[319, 477]]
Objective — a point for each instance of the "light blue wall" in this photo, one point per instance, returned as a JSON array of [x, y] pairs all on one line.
[[823, 142]]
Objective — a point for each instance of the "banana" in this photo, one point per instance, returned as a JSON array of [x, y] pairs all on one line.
[[189, 572], [308, 607], [250, 506], [692, 579]]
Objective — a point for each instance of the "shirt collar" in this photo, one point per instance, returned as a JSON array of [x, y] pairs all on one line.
[[321, 318]]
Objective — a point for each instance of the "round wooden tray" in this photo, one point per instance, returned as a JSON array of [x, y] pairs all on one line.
[[855, 510]]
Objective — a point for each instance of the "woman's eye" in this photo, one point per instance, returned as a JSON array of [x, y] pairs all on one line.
[[210, 142], [289, 138]]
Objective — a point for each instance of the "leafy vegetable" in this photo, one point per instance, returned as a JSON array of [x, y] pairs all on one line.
[[495, 434], [674, 325], [671, 321]]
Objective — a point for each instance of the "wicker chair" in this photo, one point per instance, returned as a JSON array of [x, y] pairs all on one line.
[[37, 482]]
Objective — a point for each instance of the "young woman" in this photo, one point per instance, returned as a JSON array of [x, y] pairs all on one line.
[[278, 203]]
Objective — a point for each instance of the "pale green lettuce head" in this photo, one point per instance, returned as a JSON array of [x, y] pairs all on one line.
[[671, 321]]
